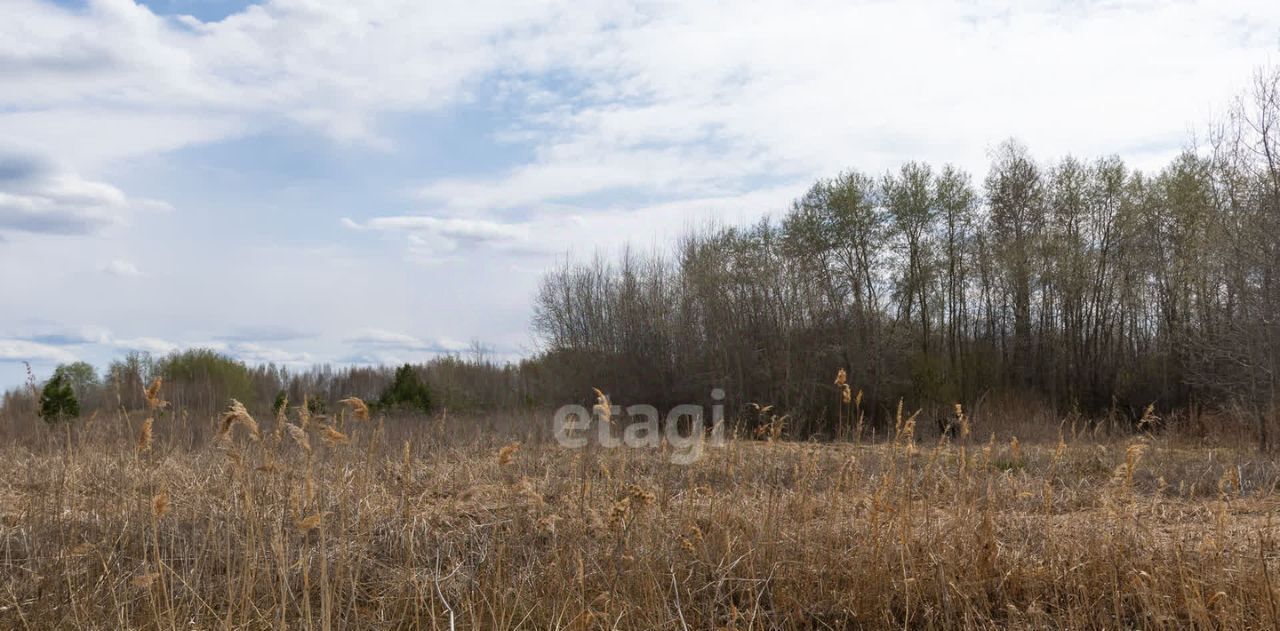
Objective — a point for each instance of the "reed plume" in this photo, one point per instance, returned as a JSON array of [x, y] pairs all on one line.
[[152, 395], [332, 437], [507, 454], [144, 436], [304, 412], [236, 414], [602, 409], [160, 504], [310, 522], [299, 436], [358, 407]]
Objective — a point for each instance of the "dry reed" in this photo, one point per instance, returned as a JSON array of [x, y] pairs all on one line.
[[908, 533]]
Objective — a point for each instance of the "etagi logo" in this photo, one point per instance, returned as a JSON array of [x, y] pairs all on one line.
[[684, 429]]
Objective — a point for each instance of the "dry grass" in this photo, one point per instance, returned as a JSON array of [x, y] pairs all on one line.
[[485, 524]]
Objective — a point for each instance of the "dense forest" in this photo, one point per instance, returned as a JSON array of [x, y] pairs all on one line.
[[1082, 284]]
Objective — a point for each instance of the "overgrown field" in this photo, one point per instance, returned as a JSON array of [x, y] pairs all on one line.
[[488, 524]]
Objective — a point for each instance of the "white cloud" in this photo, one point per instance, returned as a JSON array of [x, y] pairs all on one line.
[[380, 337], [702, 99], [678, 99], [34, 352], [265, 333], [565, 229], [330, 65], [114, 81], [259, 354], [372, 338], [153, 345], [97, 136], [120, 267], [50, 344], [374, 358], [249, 352], [39, 196], [432, 237], [69, 335]]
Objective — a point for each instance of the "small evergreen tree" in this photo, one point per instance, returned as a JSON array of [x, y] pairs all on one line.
[[407, 390], [282, 399], [58, 400]]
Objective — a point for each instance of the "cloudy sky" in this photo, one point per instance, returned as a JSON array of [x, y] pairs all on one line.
[[334, 181]]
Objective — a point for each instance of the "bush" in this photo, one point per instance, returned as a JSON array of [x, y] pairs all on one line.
[[407, 391], [58, 400], [282, 399]]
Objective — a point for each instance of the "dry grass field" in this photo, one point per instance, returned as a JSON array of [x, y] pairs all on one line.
[[487, 524]]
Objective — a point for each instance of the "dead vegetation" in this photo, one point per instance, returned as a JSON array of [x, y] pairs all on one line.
[[487, 524]]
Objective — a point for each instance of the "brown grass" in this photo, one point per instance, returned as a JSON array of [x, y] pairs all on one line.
[[485, 524]]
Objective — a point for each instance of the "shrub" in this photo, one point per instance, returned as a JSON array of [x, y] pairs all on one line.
[[58, 400], [407, 391], [282, 399]]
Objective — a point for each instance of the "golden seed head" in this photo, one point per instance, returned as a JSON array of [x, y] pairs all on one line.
[[160, 504], [909, 428], [282, 414], [332, 436], [152, 394], [144, 437], [358, 407], [304, 412], [507, 454], [299, 436], [1149, 418], [310, 522], [236, 414], [602, 407]]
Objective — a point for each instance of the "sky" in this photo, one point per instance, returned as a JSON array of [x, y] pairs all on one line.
[[309, 181]]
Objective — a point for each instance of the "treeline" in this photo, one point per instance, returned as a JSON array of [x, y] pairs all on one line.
[[203, 381], [1082, 282]]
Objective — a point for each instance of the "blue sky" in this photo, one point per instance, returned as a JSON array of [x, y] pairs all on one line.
[[321, 181]]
